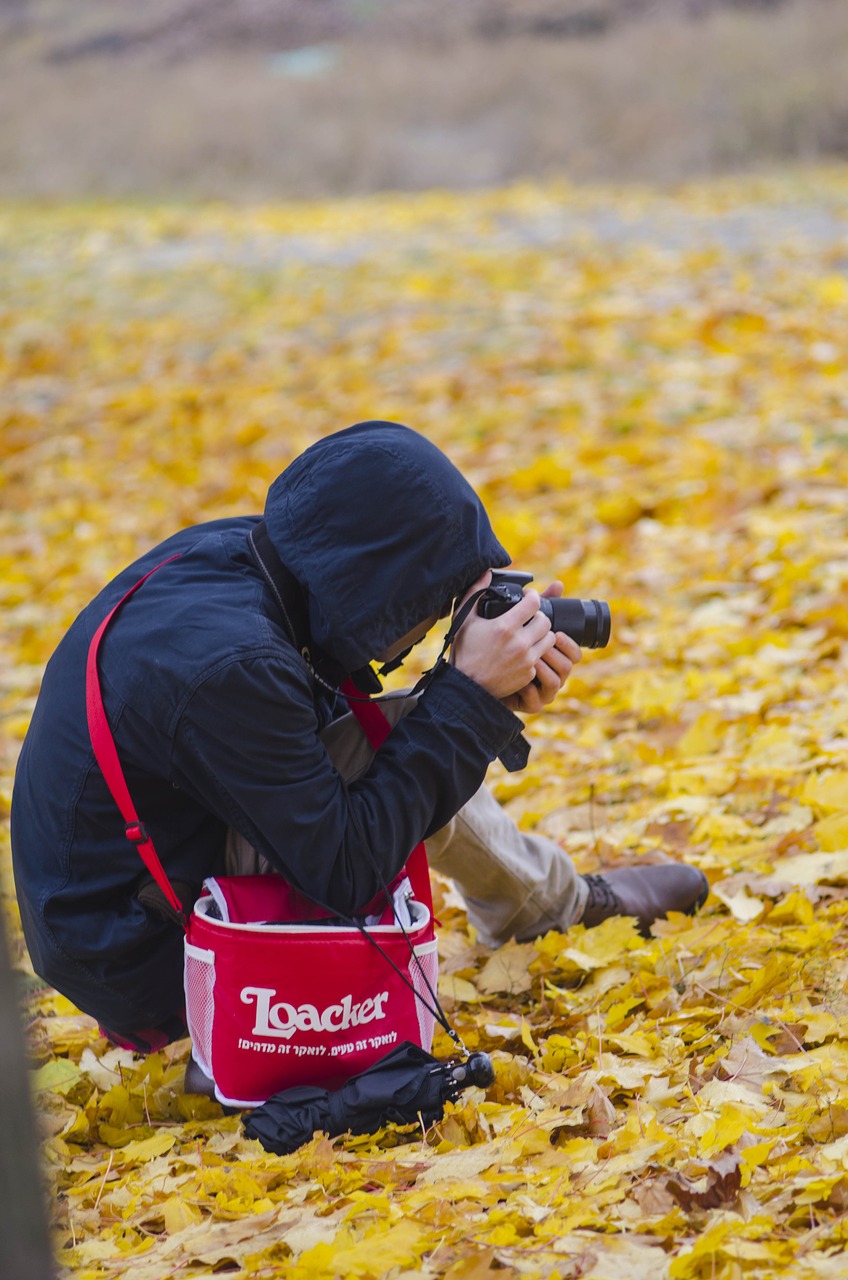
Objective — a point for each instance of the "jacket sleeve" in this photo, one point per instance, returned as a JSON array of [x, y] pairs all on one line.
[[247, 745]]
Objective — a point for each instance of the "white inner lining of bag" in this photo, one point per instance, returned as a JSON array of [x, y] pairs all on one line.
[[413, 916]]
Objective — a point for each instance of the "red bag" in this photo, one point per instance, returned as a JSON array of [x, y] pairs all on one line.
[[276, 994], [273, 1005]]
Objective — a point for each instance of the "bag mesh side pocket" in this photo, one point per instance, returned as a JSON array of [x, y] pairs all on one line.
[[424, 975], [200, 1002]]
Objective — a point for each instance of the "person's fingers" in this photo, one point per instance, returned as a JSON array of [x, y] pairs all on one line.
[[553, 669], [529, 701], [549, 680], [568, 647], [527, 608], [541, 647]]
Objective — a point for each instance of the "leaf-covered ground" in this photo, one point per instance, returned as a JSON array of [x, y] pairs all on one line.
[[650, 392]]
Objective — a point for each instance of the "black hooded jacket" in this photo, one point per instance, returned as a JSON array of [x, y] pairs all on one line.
[[216, 714]]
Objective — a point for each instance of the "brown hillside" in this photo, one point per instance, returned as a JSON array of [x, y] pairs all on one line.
[[258, 99]]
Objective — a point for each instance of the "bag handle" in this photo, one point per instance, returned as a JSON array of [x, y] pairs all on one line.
[[106, 755]]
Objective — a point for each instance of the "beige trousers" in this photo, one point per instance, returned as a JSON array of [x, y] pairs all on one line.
[[515, 885]]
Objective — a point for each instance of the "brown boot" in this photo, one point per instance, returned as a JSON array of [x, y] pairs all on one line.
[[648, 893]]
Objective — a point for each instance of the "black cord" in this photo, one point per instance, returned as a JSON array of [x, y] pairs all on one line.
[[456, 623], [435, 1010], [438, 1012]]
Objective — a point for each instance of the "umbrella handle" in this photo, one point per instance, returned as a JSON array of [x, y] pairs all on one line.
[[476, 1070]]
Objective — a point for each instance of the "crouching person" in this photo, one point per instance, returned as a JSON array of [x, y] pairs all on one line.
[[220, 684]]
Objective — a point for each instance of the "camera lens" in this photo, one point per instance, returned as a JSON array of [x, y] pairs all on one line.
[[588, 622], [598, 622]]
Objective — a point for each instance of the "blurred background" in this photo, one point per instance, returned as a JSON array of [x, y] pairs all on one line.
[[258, 99]]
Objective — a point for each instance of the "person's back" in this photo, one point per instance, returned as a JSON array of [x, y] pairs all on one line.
[[78, 880]]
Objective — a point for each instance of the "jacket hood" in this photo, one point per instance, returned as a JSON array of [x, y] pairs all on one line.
[[381, 530]]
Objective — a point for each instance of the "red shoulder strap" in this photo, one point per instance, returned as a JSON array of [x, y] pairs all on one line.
[[106, 756]]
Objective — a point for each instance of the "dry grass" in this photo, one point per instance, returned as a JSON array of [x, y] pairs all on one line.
[[661, 99]]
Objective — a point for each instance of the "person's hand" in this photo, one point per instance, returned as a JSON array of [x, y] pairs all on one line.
[[552, 670], [504, 654]]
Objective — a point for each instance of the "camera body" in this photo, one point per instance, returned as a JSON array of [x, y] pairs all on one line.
[[586, 621]]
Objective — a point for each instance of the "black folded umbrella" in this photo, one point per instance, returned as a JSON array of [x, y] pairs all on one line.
[[407, 1086]]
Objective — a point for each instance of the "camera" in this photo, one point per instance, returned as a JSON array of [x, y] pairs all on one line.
[[586, 621]]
